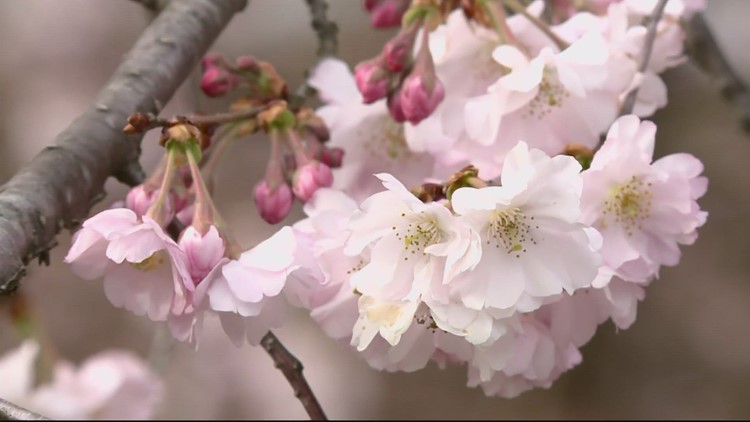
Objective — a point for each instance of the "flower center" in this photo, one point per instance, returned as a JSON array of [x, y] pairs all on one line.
[[551, 94], [388, 141], [151, 263], [510, 231], [628, 204], [420, 232]]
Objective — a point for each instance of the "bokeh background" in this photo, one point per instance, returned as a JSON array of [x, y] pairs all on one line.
[[687, 355]]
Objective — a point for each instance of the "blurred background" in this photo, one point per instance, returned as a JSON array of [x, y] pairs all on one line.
[[687, 355]]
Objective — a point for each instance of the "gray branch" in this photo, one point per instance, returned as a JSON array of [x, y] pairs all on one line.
[[59, 186], [11, 412], [706, 52], [648, 46]]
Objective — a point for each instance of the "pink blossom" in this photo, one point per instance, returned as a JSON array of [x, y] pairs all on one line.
[[372, 140], [144, 270], [250, 286], [309, 178], [113, 384], [644, 210]]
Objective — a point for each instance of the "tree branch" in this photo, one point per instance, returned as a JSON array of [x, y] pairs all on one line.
[[292, 368], [326, 29], [11, 412], [706, 52], [328, 46], [648, 46], [58, 187]]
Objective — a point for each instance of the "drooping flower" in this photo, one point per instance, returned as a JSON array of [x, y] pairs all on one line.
[[144, 270]]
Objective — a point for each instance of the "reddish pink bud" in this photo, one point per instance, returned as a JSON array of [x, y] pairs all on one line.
[[247, 64], [217, 81], [213, 60], [398, 50], [418, 101], [309, 178], [140, 200], [388, 13], [370, 4], [273, 204], [421, 91], [372, 79], [395, 108], [332, 157]]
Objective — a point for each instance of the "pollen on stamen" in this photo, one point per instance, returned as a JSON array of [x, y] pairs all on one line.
[[509, 230], [628, 204]]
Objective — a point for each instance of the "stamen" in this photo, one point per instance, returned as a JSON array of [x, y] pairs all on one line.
[[628, 204], [510, 230]]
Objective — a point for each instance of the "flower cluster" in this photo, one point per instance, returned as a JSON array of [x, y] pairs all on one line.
[[509, 273], [512, 278]]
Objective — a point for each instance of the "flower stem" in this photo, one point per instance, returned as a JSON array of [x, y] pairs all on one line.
[[156, 211], [648, 45], [499, 20], [517, 7]]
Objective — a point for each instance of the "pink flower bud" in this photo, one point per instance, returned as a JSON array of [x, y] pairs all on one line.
[[395, 108], [370, 4], [421, 91], [247, 63], [213, 60], [273, 204], [332, 157], [388, 13], [418, 101], [372, 80], [217, 81], [398, 50], [139, 199], [309, 177]]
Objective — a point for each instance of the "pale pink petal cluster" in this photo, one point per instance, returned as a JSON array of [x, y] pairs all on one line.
[[113, 384], [643, 210]]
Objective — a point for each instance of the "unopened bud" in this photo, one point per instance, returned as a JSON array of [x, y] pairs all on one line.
[[388, 13], [421, 91], [217, 81], [139, 199], [394, 107], [273, 204], [332, 157], [398, 51], [247, 64], [372, 79], [309, 178]]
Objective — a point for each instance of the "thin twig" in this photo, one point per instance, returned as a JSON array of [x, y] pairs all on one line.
[[648, 46], [326, 29], [59, 186], [143, 122], [292, 368], [328, 46], [706, 52], [11, 412], [540, 24]]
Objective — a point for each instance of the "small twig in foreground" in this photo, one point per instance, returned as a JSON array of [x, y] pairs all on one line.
[[648, 46], [292, 368], [11, 412]]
